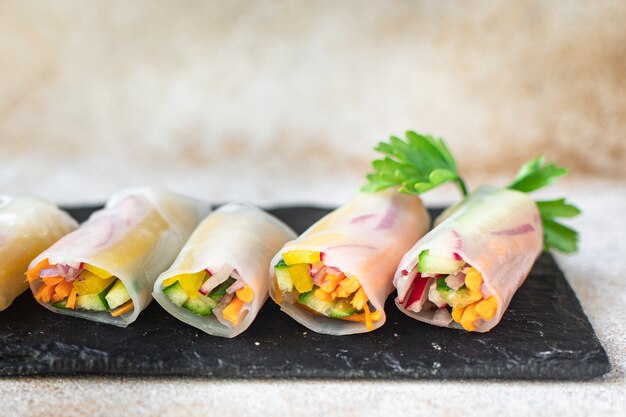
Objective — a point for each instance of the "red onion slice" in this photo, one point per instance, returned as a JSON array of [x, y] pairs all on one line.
[[220, 276]]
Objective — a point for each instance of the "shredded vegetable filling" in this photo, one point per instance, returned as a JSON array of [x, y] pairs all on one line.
[[226, 299], [302, 277], [454, 288], [80, 287]]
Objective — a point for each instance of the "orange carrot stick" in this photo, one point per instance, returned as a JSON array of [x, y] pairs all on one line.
[[63, 288], [368, 318], [124, 308], [33, 274], [71, 300], [277, 290], [52, 281], [46, 293]]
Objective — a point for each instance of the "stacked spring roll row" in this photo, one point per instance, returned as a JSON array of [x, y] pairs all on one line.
[[210, 270]]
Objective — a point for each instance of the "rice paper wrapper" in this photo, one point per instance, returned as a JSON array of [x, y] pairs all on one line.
[[28, 225], [135, 237], [497, 231], [241, 236], [364, 238]]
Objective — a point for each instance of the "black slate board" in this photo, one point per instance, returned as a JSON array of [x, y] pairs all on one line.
[[543, 335]]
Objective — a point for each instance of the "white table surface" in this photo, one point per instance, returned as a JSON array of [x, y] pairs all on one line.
[[597, 274]]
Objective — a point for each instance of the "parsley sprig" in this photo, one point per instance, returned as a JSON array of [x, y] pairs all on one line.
[[416, 165], [535, 175], [422, 162]]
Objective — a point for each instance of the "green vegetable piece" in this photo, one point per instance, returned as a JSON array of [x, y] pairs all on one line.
[[219, 291], [416, 165], [281, 264], [441, 284]]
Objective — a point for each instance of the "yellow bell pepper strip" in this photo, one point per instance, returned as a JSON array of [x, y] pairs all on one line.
[[301, 257], [97, 271], [302, 280]]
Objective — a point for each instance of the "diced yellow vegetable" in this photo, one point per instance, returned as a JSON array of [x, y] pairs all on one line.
[[231, 312], [487, 308], [245, 294], [330, 282], [350, 284], [322, 295], [468, 318], [457, 313], [98, 271], [294, 257], [340, 292], [91, 283], [191, 283], [359, 300], [473, 279], [302, 279]]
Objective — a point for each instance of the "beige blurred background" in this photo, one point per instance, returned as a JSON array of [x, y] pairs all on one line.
[[283, 101]]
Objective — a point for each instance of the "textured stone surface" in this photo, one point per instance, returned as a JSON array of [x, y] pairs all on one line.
[[543, 335]]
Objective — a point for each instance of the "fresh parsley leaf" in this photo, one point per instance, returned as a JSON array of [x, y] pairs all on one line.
[[415, 165], [535, 175], [556, 235], [559, 237], [557, 208]]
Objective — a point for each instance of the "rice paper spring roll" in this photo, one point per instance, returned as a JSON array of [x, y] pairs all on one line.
[[218, 282], [336, 276], [464, 272], [27, 227], [105, 270]]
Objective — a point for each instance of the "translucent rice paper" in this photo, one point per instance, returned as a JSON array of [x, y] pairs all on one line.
[[364, 238], [497, 231], [27, 227], [135, 237], [239, 235]]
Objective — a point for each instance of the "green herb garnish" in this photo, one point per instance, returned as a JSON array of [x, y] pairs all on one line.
[[423, 162], [280, 264], [416, 165], [535, 175]]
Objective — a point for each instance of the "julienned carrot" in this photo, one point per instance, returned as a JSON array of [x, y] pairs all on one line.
[[368, 318], [64, 288], [33, 274], [124, 308], [52, 281], [71, 300], [277, 290], [46, 293]]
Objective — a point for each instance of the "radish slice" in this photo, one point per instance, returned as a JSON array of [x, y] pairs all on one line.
[[319, 277], [442, 317], [236, 286], [220, 276], [455, 281]]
